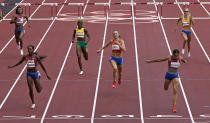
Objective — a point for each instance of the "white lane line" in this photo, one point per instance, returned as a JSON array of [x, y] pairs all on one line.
[[23, 25], [10, 11], [137, 65], [195, 35], [204, 8], [183, 92], [56, 83], [99, 70], [59, 75], [13, 86]]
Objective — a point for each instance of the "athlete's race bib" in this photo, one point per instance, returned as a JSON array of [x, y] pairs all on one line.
[[175, 64], [30, 64], [115, 47]]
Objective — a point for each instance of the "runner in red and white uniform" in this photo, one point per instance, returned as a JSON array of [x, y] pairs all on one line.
[[116, 59]]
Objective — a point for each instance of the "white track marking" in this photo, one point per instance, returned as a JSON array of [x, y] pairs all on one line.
[[10, 11], [182, 88], [23, 25], [1, 105], [55, 86], [59, 75], [204, 8], [111, 18], [137, 65], [195, 36], [99, 70]]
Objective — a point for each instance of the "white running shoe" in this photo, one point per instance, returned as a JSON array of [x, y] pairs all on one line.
[[188, 54], [81, 72], [33, 106], [182, 51], [21, 51]]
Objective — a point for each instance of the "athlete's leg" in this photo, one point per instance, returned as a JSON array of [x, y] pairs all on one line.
[[166, 84], [85, 53], [17, 39], [30, 86], [119, 73], [21, 39], [175, 83], [38, 85], [114, 66], [79, 51], [184, 36]]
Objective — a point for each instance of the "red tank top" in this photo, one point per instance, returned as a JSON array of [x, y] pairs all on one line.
[[31, 61], [174, 63], [116, 47]]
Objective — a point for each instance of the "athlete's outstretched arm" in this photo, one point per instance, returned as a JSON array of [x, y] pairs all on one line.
[[42, 66], [13, 20], [182, 59], [73, 37], [20, 62], [191, 20], [26, 17], [106, 45], [158, 60], [88, 35]]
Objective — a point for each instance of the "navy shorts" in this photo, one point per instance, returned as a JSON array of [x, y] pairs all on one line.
[[187, 32], [171, 76], [35, 75], [119, 61], [19, 30]]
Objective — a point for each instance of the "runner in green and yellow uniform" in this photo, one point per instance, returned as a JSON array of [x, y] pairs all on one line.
[[81, 47]]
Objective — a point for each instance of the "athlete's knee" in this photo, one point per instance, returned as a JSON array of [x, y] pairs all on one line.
[[166, 87], [79, 57], [115, 69], [86, 57], [39, 89], [175, 91]]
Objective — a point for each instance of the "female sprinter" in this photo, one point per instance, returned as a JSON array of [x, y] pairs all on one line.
[[172, 74], [32, 73], [187, 23], [18, 20], [116, 59], [80, 32]]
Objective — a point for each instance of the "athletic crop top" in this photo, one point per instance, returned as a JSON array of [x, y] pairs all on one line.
[[80, 33], [186, 21], [173, 63], [31, 61], [20, 19], [116, 47]]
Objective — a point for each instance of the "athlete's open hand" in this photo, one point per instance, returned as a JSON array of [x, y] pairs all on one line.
[[148, 61], [98, 51], [9, 66]]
